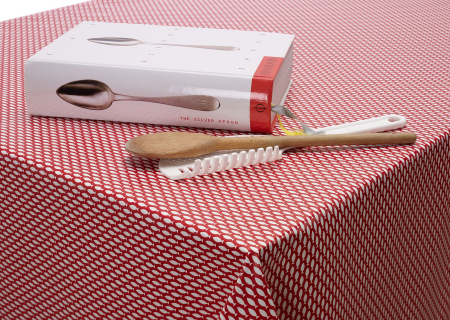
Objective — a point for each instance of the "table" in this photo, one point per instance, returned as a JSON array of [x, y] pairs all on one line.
[[88, 231]]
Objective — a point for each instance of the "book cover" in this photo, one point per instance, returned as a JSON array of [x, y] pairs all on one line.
[[210, 78]]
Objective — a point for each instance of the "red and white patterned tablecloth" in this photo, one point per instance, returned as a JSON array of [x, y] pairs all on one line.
[[89, 232]]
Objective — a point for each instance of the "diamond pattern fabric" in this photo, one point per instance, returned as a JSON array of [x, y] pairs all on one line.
[[88, 231]]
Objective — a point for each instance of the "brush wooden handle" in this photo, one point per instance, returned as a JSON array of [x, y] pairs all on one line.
[[315, 140]]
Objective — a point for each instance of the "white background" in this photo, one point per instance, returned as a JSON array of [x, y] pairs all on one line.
[[10, 9]]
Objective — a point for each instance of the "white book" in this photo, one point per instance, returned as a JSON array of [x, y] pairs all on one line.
[[210, 78]]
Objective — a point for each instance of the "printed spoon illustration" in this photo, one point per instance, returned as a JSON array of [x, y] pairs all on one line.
[[96, 95], [114, 41], [179, 145]]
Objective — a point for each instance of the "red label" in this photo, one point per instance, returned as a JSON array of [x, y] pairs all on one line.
[[261, 95]]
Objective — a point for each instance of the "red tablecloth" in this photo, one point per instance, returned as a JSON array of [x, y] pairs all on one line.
[[89, 232]]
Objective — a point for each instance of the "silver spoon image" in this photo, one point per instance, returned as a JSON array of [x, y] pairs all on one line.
[[96, 95], [113, 41]]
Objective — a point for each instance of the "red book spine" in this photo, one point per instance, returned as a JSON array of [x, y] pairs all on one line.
[[261, 95]]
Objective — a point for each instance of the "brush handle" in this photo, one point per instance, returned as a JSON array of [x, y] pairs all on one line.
[[315, 140]]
